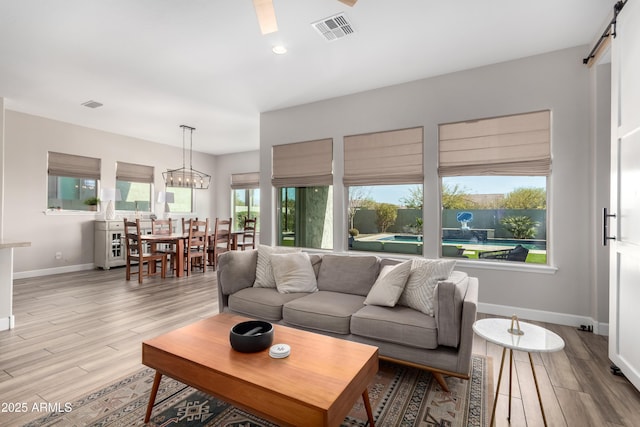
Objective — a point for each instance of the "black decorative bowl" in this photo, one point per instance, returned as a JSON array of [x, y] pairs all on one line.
[[251, 336]]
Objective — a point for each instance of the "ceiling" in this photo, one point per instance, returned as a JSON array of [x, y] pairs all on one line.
[[157, 64]]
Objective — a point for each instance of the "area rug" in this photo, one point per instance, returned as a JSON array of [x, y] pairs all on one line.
[[399, 395]]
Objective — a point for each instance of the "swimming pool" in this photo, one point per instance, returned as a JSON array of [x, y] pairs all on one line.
[[401, 238]]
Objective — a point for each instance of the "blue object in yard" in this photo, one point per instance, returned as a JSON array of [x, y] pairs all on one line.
[[464, 218]]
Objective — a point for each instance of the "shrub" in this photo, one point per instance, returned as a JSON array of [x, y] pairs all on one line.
[[522, 227], [386, 215], [92, 201]]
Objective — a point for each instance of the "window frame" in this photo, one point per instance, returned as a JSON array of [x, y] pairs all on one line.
[[63, 166], [249, 197], [129, 175]]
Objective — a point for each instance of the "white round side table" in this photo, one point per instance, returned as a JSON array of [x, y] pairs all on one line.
[[515, 335]]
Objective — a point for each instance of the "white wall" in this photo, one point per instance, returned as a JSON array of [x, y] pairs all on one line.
[[1, 167], [556, 81], [27, 140]]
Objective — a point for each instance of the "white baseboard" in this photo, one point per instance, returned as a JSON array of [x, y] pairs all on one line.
[[599, 328], [7, 323], [55, 270]]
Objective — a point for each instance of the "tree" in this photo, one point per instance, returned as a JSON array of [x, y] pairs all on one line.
[[386, 215], [522, 227], [359, 198], [415, 199], [455, 198], [526, 198]]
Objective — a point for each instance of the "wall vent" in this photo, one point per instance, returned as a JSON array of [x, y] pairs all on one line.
[[334, 27]]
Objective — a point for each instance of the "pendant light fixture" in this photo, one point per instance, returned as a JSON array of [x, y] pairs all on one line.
[[184, 177]]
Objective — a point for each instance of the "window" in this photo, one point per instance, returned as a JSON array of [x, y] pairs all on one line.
[[384, 175], [303, 174], [72, 182], [135, 185], [182, 199], [306, 215], [386, 218], [494, 176], [246, 198]]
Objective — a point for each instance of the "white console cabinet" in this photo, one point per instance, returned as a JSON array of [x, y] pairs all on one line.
[[110, 247]]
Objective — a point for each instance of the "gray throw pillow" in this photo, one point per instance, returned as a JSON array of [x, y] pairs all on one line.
[[389, 285], [293, 273], [264, 271]]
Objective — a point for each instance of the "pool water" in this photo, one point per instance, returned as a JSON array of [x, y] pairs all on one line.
[[401, 238]]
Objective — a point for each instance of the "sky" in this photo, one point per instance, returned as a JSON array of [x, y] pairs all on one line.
[[471, 185]]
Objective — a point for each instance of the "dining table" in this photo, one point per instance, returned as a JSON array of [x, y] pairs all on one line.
[[177, 239], [235, 236]]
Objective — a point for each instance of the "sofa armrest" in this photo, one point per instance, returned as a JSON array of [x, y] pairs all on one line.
[[449, 298], [236, 270]]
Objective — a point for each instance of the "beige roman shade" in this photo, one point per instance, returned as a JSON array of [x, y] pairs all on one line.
[[245, 180], [392, 157], [509, 145], [73, 166], [303, 164], [134, 173]]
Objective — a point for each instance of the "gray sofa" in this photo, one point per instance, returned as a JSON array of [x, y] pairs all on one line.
[[441, 343]]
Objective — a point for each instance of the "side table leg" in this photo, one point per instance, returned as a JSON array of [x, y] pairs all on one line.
[[367, 406], [510, 381], [535, 380], [152, 397], [495, 399]]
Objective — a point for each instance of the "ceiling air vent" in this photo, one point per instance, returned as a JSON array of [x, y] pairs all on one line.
[[334, 27], [92, 104]]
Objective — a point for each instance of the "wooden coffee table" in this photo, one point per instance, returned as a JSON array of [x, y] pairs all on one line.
[[316, 385]]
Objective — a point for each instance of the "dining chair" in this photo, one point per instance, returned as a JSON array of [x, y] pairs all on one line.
[[196, 247], [164, 227], [185, 224], [248, 235], [136, 252], [220, 241]]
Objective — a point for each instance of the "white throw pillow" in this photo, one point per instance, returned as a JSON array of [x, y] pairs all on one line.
[[293, 272], [420, 288], [389, 285], [264, 272]]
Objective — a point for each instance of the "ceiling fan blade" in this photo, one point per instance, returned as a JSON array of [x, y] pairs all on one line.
[[348, 2], [266, 16]]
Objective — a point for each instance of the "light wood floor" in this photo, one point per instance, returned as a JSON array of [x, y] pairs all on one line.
[[77, 332]]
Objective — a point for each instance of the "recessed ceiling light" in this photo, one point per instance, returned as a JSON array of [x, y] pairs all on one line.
[[279, 50]]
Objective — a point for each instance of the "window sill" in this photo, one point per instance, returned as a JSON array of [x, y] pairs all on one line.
[[55, 212], [506, 266]]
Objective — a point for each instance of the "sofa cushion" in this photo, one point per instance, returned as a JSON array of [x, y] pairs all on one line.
[[347, 274], [236, 270], [293, 273], [262, 303], [389, 285], [449, 298], [399, 325], [264, 270], [419, 291], [324, 310]]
